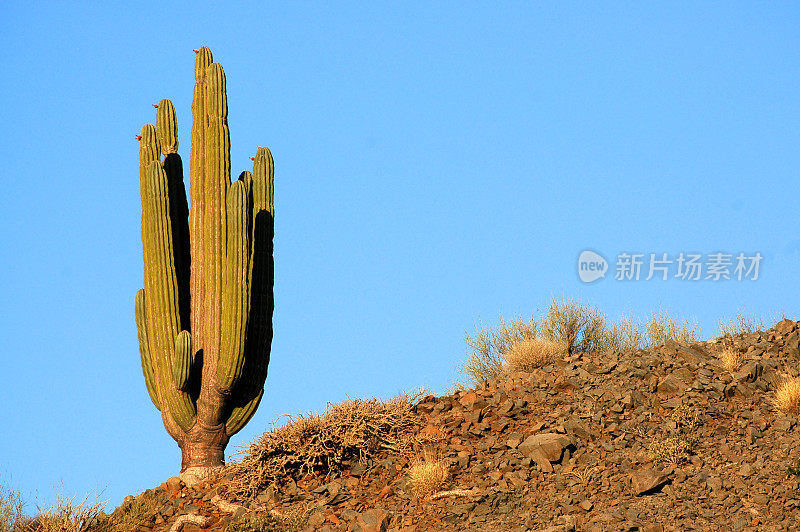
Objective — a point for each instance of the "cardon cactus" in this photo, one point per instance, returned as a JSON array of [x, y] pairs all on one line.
[[204, 317]]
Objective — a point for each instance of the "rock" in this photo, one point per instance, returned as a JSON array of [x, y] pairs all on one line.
[[714, 483], [783, 424], [746, 470], [471, 401], [676, 382], [549, 446], [174, 484], [375, 520], [580, 430], [514, 441], [336, 499], [357, 469], [647, 480], [749, 372], [785, 326], [316, 519]]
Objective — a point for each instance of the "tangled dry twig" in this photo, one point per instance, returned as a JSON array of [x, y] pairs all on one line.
[[354, 430]]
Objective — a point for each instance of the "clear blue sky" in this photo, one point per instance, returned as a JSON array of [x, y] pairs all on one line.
[[435, 164]]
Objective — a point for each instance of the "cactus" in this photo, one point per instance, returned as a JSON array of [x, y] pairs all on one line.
[[204, 317]]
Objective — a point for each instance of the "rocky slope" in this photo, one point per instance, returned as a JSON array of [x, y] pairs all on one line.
[[652, 440]]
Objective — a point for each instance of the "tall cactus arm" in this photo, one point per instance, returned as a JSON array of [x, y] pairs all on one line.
[[263, 270], [236, 287], [197, 215], [249, 391], [167, 133], [167, 127], [147, 366], [162, 298], [148, 152], [217, 180]]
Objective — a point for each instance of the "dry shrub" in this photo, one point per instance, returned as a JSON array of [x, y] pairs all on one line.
[[11, 514], [138, 511], [426, 476], [731, 359], [532, 353], [662, 327], [265, 522], [787, 396], [485, 360], [66, 516], [579, 327], [353, 430], [625, 334]]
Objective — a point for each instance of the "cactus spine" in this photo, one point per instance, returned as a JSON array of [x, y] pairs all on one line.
[[204, 317]]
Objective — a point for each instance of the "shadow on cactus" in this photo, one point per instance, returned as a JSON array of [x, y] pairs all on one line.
[[204, 317]]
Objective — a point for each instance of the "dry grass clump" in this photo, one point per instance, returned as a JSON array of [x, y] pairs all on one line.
[[677, 440], [740, 324], [485, 361], [661, 327], [672, 449], [686, 418], [579, 327], [526, 355], [787, 396], [731, 359], [576, 326], [353, 430], [426, 476], [66, 516]]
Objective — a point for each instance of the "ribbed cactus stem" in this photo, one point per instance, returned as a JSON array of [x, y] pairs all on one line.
[[217, 165], [197, 215], [236, 283], [144, 350], [259, 328], [167, 127], [242, 414], [148, 152], [161, 285], [203, 58], [182, 362]]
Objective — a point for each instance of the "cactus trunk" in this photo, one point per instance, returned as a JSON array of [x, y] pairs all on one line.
[[204, 318]]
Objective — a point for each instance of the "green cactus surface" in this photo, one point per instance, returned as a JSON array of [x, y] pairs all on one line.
[[204, 317]]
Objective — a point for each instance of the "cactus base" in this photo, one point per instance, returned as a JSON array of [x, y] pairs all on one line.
[[197, 474], [203, 452]]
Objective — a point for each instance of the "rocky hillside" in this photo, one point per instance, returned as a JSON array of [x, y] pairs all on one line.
[[659, 439]]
